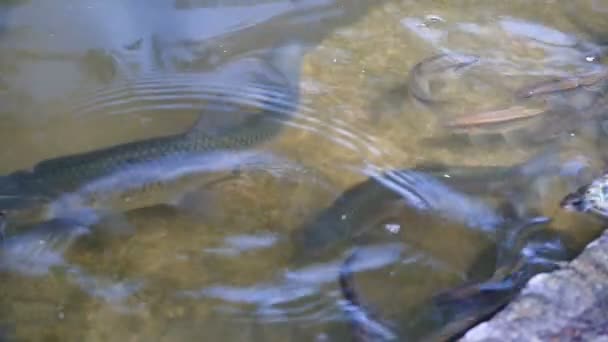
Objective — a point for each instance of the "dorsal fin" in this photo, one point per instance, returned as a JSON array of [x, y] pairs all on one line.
[[265, 74]]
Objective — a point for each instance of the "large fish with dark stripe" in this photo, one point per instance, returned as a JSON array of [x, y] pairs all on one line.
[[84, 187]]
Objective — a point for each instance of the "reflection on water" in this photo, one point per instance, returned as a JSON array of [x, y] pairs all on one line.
[[441, 176]]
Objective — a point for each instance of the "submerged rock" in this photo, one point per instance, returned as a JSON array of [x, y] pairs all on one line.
[[569, 304]]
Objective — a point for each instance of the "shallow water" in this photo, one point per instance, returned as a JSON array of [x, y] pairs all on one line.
[[93, 74]]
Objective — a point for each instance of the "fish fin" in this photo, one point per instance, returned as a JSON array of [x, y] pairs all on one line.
[[514, 239], [200, 202], [278, 68], [285, 59], [40, 249]]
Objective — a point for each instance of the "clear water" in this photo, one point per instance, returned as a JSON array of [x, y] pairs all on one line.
[[69, 71]]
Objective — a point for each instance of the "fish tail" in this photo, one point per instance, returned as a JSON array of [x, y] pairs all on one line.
[[286, 60], [38, 250], [365, 327], [346, 281], [10, 190]]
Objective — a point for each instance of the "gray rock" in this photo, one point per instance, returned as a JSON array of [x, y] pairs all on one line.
[[570, 304]]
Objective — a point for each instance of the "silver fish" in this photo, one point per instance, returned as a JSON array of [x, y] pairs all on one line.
[[158, 170]]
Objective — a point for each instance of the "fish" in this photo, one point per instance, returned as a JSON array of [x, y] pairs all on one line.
[[353, 211], [477, 197], [590, 198], [489, 120], [562, 84], [453, 311], [420, 75], [460, 308], [466, 306], [90, 185]]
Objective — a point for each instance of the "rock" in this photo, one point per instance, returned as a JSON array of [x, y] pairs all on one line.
[[570, 304]]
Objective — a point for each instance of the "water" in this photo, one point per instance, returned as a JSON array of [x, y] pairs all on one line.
[[92, 74]]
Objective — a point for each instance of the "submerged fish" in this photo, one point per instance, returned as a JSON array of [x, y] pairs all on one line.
[[494, 119], [450, 313], [154, 171], [421, 74], [458, 194], [563, 84], [457, 309], [353, 211]]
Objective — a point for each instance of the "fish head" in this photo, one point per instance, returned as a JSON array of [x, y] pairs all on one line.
[[34, 211], [18, 204], [285, 58], [23, 211], [575, 201], [589, 198]]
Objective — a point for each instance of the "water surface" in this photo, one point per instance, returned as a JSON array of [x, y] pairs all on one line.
[[92, 74]]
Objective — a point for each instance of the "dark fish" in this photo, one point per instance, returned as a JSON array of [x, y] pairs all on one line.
[[563, 84], [454, 311], [422, 73], [472, 303], [154, 171], [350, 213], [537, 250], [469, 305], [449, 191]]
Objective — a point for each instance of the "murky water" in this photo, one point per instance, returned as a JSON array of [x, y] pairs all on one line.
[[77, 76]]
